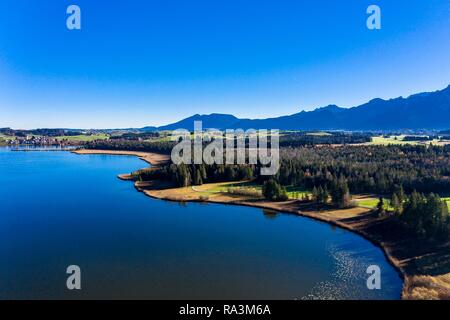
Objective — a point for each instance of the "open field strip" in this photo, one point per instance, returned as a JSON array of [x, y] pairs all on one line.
[[319, 134], [83, 137], [372, 202], [381, 140]]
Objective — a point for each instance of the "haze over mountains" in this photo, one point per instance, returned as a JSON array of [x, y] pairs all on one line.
[[429, 110]]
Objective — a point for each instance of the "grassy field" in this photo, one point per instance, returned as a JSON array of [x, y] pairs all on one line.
[[218, 189], [297, 193], [381, 140], [83, 138], [160, 139], [226, 186], [250, 188], [319, 134], [372, 202]]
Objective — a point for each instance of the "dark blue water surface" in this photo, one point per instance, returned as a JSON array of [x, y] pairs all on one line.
[[58, 209]]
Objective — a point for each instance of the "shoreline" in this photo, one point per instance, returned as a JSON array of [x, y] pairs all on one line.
[[360, 221], [357, 220], [278, 207], [152, 158]]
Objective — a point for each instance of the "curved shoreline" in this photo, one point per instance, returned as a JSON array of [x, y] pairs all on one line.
[[386, 251], [426, 285], [152, 158]]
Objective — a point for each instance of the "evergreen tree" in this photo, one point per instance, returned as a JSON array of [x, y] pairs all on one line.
[[198, 178], [315, 194], [380, 206], [340, 194], [396, 204], [273, 191]]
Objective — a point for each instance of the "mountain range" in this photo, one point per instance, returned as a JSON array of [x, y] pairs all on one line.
[[428, 110]]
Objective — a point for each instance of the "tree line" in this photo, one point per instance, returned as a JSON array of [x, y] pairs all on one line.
[[184, 175], [368, 169], [164, 147]]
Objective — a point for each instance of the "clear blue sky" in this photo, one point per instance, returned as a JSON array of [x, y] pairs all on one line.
[[147, 62]]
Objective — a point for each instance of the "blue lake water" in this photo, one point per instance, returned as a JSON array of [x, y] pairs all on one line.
[[59, 209]]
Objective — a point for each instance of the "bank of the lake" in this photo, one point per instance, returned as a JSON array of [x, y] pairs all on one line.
[[76, 211], [401, 253], [155, 159]]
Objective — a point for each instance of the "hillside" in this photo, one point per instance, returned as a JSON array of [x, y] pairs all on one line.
[[428, 110]]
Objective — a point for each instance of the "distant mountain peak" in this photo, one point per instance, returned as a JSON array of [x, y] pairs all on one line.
[[331, 107], [377, 100]]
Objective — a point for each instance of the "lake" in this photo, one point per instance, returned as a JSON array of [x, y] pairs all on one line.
[[59, 209]]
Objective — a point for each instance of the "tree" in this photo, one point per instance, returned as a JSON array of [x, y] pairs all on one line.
[[401, 195], [319, 194], [397, 200], [273, 191], [315, 194], [198, 178], [204, 175], [380, 206], [325, 195], [340, 194], [396, 204], [322, 196], [247, 173]]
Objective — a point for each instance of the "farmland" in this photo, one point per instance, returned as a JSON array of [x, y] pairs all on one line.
[[83, 137], [399, 140]]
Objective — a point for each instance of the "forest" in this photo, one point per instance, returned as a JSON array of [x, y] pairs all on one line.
[[131, 145], [368, 168]]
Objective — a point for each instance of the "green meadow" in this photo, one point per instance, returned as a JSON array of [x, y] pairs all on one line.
[[83, 137], [373, 202], [319, 134], [381, 140]]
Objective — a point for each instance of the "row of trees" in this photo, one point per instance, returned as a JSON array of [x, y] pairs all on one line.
[[186, 175], [164, 147]]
